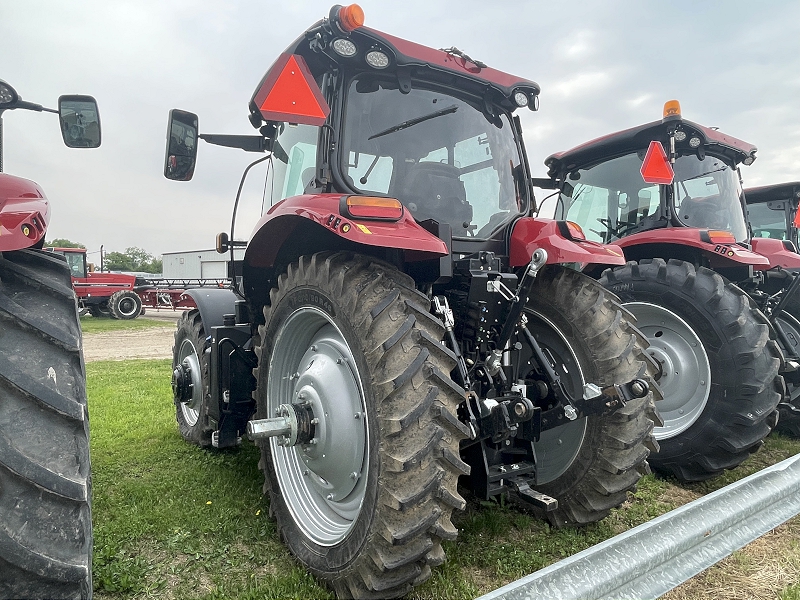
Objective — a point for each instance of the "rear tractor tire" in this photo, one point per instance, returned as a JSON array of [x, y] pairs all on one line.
[[789, 409], [365, 503], [125, 305], [45, 482], [589, 464], [719, 367]]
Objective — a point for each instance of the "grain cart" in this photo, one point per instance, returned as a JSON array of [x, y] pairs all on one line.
[[45, 485], [402, 322], [668, 192]]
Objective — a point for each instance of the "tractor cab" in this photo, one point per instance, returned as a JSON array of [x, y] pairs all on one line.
[[671, 187], [772, 212]]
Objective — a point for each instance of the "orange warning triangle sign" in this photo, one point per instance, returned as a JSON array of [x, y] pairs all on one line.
[[290, 94], [656, 167]]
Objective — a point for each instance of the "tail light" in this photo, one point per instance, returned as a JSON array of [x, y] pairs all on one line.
[[717, 236], [571, 231], [372, 207]]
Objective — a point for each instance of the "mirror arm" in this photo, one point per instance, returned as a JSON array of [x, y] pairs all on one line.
[[544, 183], [248, 143], [31, 106]]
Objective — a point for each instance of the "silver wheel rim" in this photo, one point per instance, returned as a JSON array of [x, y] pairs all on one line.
[[187, 356], [686, 372], [127, 306], [558, 448], [323, 484]]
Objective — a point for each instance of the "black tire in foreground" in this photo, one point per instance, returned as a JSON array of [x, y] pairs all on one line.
[[719, 366], [125, 304], [589, 464], [366, 504], [189, 352], [45, 482]]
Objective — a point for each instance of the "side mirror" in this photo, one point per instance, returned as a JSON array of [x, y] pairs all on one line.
[[181, 145], [80, 121]]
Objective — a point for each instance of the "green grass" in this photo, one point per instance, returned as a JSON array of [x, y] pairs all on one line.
[[174, 521], [97, 325]]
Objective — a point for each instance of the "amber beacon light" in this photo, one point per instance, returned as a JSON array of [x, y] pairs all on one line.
[[350, 17]]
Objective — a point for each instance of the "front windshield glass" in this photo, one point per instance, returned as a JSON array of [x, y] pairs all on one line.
[[767, 222], [610, 200], [440, 156]]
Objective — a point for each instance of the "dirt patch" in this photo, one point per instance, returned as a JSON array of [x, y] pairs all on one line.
[[155, 342]]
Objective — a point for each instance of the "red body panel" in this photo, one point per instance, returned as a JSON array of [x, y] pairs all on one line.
[[776, 253], [102, 284], [23, 207], [530, 234], [720, 255], [279, 222]]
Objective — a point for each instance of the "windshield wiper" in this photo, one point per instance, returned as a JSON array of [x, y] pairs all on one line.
[[417, 120], [706, 173]]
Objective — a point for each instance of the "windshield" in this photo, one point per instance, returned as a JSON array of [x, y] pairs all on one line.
[[440, 156], [611, 200], [767, 222]]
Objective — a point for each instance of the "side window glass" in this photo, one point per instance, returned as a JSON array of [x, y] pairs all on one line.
[[294, 160], [589, 208], [372, 172]]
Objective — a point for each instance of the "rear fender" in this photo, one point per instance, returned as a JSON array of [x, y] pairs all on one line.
[[530, 234], [213, 304], [24, 213], [776, 253], [651, 244], [274, 231]]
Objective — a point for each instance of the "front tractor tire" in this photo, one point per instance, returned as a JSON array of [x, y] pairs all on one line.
[[588, 464], [45, 482], [366, 502], [190, 377], [719, 367], [125, 305]]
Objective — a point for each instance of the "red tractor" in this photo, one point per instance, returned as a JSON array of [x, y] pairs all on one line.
[[45, 482], [403, 325], [669, 193]]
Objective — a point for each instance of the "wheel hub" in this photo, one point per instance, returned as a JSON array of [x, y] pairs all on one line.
[[187, 385], [685, 378]]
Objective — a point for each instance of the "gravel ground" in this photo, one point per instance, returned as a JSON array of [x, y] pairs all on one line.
[[155, 342]]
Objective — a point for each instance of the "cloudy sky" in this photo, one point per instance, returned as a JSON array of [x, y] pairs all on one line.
[[602, 65]]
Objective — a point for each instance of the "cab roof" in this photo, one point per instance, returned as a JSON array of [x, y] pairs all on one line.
[[406, 60], [774, 192], [638, 138]]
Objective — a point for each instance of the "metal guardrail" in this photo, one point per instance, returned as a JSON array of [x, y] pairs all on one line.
[[657, 556]]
